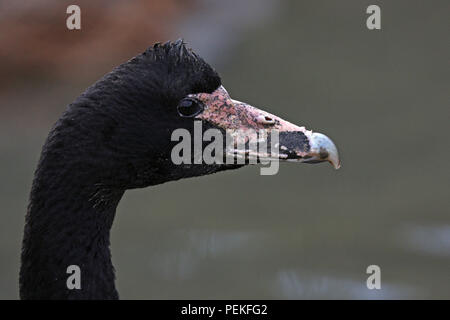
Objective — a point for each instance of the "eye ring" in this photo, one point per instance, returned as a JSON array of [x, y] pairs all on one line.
[[190, 107]]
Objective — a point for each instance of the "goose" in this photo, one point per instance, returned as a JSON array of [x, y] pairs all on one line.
[[117, 135]]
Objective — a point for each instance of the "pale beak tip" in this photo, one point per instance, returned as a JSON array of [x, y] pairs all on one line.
[[322, 142], [335, 164], [333, 157]]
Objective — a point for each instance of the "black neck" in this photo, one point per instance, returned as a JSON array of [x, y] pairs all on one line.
[[68, 223]]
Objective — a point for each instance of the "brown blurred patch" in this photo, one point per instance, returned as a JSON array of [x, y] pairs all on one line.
[[35, 42]]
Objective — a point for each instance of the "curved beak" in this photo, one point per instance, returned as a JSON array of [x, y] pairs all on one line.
[[294, 143]]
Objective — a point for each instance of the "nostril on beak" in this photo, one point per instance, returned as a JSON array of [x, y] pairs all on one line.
[[265, 119]]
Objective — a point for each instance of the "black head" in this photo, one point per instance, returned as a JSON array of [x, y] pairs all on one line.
[[119, 130]]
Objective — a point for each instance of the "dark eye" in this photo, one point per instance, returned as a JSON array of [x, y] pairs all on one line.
[[190, 107]]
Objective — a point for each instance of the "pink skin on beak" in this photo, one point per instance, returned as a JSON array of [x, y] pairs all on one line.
[[295, 143]]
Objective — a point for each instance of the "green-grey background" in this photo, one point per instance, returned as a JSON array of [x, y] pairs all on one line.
[[309, 231]]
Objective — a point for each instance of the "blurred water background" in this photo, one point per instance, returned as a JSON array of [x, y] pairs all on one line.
[[307, 232]]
